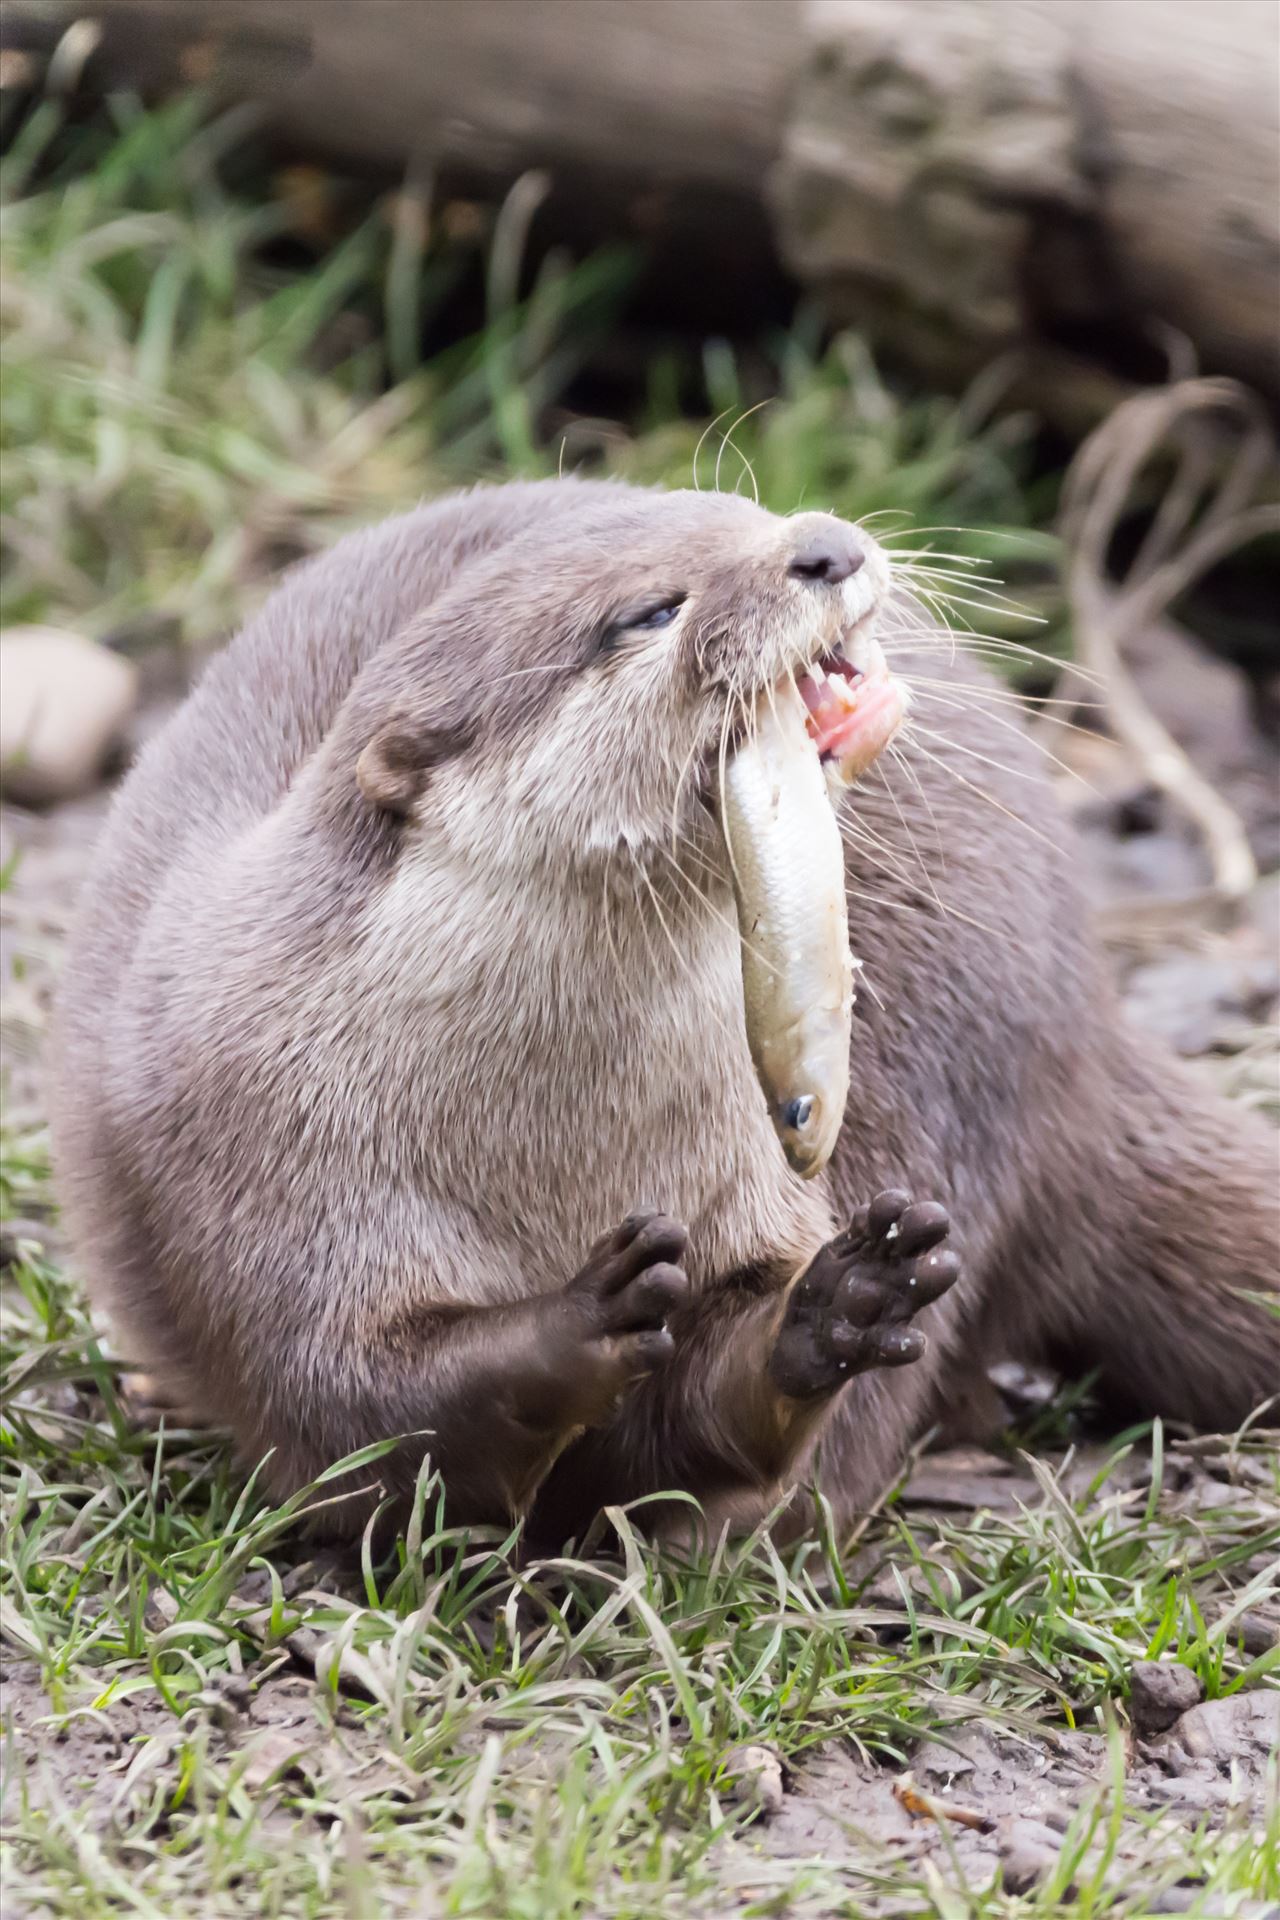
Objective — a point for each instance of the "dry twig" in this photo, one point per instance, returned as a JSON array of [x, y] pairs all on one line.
[[1208, 511]]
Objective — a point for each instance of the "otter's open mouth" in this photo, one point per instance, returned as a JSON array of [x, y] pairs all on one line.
[[852, 711], [829, 689]]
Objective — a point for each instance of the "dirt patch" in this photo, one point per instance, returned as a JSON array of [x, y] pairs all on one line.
[[990, 1804]]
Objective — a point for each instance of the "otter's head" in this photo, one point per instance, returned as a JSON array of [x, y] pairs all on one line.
[[575, 690]]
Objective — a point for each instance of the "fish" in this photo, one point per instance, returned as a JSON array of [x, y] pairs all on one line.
[[785, 852]]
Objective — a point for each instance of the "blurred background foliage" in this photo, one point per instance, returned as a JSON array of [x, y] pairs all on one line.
[[214, 366]]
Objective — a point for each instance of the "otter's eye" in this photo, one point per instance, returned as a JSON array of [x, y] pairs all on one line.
[[644, 619]]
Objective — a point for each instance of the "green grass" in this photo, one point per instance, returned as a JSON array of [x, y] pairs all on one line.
[[227, 1720], [553, 1739]]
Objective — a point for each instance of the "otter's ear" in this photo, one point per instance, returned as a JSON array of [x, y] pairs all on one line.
[[393, 770]]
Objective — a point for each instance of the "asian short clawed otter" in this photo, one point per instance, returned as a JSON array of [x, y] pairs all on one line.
[[409, 970]]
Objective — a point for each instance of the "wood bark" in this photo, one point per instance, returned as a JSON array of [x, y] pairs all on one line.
[[1087, 177], [1085, 173]]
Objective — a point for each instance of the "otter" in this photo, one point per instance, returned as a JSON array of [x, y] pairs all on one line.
[[401, 1087]]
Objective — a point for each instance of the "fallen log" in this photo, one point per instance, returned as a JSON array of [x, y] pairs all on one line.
[[1084, 180]]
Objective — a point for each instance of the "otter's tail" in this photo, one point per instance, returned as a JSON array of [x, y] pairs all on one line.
[[1176, 1301]]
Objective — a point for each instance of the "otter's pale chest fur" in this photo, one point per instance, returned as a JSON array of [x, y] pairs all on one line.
[[606, 1026]]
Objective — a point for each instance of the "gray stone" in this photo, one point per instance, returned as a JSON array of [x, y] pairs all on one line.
[[934, 1762], [1245, 1727], [64, 705], [1255, 1634], [1197, 1002], [756, 1773], [1161, 1691], [1028, 1854]]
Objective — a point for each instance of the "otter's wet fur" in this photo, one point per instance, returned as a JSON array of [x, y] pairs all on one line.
[[409, 967]]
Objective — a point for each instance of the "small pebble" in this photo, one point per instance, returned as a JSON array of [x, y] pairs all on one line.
[[1255, 1635], [756, 1773], [160, 1610], [1189, 1796], [1241, 1728], [1028, 1854], [1161, 1691]]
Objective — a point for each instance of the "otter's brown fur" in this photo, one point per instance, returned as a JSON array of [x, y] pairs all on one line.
[[409, 966]]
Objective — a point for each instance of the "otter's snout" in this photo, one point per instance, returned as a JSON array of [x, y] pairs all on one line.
[[826, 551]]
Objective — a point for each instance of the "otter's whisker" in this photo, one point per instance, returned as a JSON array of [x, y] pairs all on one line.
[[967, 532], [1011, 726], [637, 873], [885, 513], [691, 886], [685, 772], [681, 959], [518, 673], [924, 604], [900, 759], [734, 697], [944, 605], [948, 576], [934, 560], [922, 905], [970, 641], [770, 691], [623, 975], [633, 914], [926, 753], [856, 836], [702, 440], [698, 861], [727, 440], [984, 652], [854, 823], [907, 556], [986, 595], [865, 980], [938, 597], [1029, 704], [731, 925], [906, 828], [972, 753]]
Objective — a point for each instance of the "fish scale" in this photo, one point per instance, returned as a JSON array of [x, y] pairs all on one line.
[[797, 971]]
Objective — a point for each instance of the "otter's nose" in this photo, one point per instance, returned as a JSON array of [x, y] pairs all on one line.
[[827, 555]]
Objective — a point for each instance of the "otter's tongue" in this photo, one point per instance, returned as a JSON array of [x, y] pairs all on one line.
[[852, 715]]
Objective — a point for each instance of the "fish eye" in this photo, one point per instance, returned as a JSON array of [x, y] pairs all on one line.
[[649, 618]]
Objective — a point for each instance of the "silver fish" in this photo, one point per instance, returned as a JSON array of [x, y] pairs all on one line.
[[797, 971]]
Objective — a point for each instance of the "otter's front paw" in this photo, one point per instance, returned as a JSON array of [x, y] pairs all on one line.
[[631, 1282], [851, 1307]]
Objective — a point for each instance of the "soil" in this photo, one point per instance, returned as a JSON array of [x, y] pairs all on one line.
[[982, 1799]]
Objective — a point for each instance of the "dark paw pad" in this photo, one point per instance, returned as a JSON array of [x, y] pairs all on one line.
[[631, 1283], [852, 1307]]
